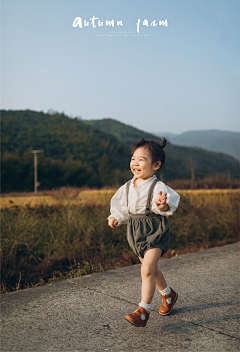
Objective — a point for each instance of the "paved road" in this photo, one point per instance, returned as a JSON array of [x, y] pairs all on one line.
[[87, 313]]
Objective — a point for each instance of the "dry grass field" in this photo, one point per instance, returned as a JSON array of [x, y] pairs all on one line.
[[64, 233], [196, 197]]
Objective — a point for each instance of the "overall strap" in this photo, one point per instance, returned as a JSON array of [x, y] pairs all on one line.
[[127, 189], [150, 195]]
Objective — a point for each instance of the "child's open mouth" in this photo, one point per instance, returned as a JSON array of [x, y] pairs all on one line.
[[136, 170]]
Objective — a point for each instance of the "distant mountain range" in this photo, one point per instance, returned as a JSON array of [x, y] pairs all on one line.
[[92, 153], [213, 140], [180, 159]]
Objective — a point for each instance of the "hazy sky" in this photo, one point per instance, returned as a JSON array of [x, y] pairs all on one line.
[[175, 78]]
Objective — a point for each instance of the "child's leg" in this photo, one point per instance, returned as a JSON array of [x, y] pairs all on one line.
[[169, 296], [148, 269], [160, 280], [151, 275], [161, 283], [148, 283]]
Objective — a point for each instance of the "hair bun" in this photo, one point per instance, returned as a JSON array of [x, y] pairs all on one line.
[[164, 142]]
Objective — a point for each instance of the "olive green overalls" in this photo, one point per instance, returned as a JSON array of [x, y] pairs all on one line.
[[149, 230]]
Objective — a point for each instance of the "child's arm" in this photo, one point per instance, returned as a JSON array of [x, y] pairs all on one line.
[[165, 199], [118, 208]]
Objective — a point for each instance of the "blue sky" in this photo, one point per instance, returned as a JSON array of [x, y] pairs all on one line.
[[163, 79]]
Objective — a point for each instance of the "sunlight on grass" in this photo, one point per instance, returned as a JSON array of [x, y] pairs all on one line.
[[51, 238], [196, 197]]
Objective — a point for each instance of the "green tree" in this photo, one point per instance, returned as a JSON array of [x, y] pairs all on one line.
[[104, 170]]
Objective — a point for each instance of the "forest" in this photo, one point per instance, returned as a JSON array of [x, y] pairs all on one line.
[[87, 153]]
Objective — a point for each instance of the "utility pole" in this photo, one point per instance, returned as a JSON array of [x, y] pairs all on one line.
[[36, 183]]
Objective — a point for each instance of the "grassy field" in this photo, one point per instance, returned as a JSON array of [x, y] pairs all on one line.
[[196, 197], [65, 234]]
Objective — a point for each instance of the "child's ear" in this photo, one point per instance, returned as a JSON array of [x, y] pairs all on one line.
[[157, 165]]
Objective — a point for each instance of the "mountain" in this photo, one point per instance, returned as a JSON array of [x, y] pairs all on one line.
[[179, 159], [213, 140], [74, 153], [86, 153], [167, 135]]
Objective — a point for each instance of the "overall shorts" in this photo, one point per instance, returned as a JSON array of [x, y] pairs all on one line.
[[149, 230]]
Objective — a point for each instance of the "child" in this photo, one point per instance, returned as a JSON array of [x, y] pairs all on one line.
[[144, 203]]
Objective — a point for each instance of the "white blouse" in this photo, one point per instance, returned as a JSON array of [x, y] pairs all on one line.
[[137, 200]]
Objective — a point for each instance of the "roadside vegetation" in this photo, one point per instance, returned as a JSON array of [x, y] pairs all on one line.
[[46, 242]]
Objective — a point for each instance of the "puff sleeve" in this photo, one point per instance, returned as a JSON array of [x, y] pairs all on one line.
[[118, 206], [173, 199]]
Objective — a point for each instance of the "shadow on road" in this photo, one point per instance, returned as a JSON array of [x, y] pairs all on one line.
[[185, 327], [203, 306]]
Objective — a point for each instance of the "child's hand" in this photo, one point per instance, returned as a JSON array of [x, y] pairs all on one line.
[[112, 222], [161, 202]]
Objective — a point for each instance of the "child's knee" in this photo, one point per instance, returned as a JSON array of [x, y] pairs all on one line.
[[147, 270]]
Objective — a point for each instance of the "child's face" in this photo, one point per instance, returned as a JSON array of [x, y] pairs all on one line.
[[141, 164]]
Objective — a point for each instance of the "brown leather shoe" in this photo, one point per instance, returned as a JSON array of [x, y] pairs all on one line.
[[166, 308], [135, 317]]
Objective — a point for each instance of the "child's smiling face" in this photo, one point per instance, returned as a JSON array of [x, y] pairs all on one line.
[[142, 165]]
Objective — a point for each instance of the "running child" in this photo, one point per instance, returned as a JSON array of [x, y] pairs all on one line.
[[144, 203]]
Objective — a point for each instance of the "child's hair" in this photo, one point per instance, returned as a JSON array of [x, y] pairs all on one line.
[[155, 148]]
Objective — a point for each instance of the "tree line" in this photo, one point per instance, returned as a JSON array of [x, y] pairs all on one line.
[[77, 153]]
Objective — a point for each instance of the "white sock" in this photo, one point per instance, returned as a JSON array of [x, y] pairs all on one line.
[[165, 292], [147, 307]]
